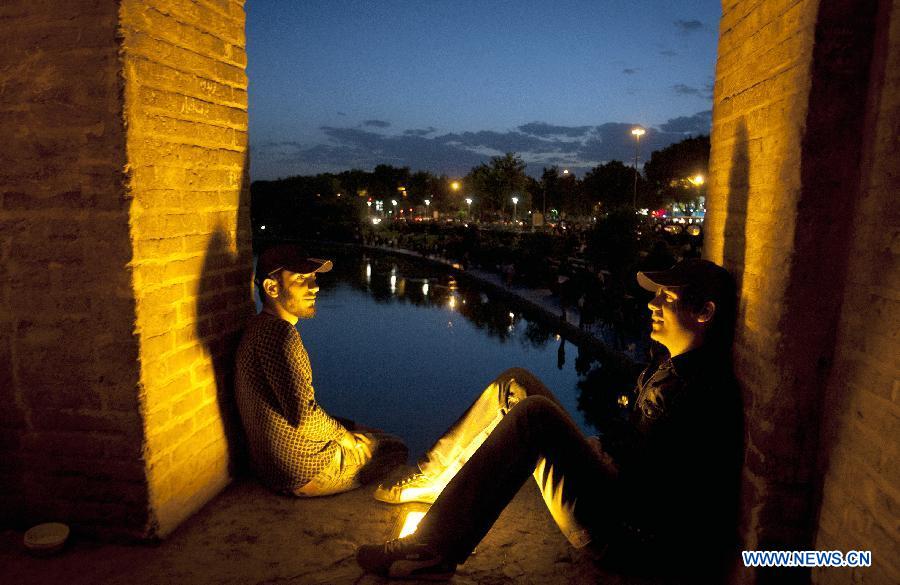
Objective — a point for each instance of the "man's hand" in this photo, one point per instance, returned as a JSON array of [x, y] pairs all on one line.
[[357, 447]]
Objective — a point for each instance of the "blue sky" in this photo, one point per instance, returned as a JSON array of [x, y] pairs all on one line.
[[442, 86]]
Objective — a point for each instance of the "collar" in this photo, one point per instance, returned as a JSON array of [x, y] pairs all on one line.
[[692, 362]]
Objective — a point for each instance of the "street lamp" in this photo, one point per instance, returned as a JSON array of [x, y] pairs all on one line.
[[427, 204], [455, 185], [637, 133], [515, 201], [394, 203], [469, 203]]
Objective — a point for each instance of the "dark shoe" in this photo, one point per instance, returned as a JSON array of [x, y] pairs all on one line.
[[403, 558], [412, 488]]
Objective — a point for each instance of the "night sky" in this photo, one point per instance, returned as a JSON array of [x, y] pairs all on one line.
[[442, 86]]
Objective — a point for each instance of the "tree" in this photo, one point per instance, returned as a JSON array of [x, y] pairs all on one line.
[[495, 183], [386, 180], [551, 191], [670, 170], [611, 184]]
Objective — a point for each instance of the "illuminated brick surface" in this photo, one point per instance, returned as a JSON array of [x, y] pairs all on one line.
[[803, 188], [125, 256]]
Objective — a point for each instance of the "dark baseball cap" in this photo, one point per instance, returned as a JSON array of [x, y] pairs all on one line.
[[289, 257], [706, 278]]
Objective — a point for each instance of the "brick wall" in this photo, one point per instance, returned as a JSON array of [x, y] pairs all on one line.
[[761, 90], [792, 118], [70, 430], [125, 258], [186, 108], [861, 495]]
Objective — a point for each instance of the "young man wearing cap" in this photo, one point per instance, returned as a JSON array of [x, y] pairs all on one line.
[[665, 475], [295, 446]]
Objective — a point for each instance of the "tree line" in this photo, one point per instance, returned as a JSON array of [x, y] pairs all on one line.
[[347, 197]]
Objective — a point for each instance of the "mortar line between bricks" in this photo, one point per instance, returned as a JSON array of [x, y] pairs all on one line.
[[168, 137], [204, 99], [216, 58], [755, 85], [134, 53], [146, 32], [146, 108], [177, 15]]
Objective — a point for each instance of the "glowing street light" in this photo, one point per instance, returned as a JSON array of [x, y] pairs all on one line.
[[427, 204], [394, 203], [515, 201], [637, 133], [455, 185], [697, 180], [469, 203]]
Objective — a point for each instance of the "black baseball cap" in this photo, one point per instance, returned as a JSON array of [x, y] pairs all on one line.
[[289, 257], [706, 278]]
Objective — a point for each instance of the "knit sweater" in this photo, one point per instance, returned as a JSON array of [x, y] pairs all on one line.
[[291, 439]]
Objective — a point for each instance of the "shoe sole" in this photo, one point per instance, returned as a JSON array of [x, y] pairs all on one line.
[[404, 501], [407, 570]]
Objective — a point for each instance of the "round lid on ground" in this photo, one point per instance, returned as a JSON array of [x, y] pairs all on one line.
[[49, 535]]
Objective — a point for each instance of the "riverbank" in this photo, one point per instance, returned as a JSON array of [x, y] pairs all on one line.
[[542, 303]]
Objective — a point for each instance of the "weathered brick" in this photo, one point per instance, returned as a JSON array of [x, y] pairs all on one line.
[[95, 213], [163, 390], [765, 117]]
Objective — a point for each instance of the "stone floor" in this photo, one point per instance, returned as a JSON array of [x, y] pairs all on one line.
[[248, 535]]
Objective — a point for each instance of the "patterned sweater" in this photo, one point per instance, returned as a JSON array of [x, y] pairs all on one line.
[[291, 438]]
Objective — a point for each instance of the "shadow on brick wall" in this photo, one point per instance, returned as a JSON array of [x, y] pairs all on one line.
[[735, 250], [734, 258], [224, 303]]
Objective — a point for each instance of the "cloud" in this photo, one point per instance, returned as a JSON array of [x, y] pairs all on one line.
[[341, 113], [699, 123], [540, 144], [688, 26], [545, 129], [349, 148], [668, 53], [376, 123], [629, 71], [704, 92], [501, 142], [420, 131]]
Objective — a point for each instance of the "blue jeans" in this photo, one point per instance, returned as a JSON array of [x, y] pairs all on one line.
[[515, 429]]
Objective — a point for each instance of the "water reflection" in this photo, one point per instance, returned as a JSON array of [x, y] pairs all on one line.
[[404, 346], [393, 279]]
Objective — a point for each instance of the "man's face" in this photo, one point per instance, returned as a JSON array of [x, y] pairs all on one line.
[[297, 294], [676, 328]]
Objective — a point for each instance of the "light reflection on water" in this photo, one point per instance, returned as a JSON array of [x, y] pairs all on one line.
[[403, 346]]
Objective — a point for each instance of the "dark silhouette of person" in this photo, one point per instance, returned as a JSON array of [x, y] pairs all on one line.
[[662, 476]]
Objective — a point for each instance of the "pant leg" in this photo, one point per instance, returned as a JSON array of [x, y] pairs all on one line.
[[450, 452], [537, 438], [347, 472]]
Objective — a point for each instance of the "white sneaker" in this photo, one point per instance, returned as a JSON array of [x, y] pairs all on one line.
[[412, 488]]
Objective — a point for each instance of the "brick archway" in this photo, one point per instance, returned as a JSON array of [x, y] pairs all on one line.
[[126, 262]]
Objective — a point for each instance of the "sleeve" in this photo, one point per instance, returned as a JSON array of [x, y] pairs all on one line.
[[288, 373]]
